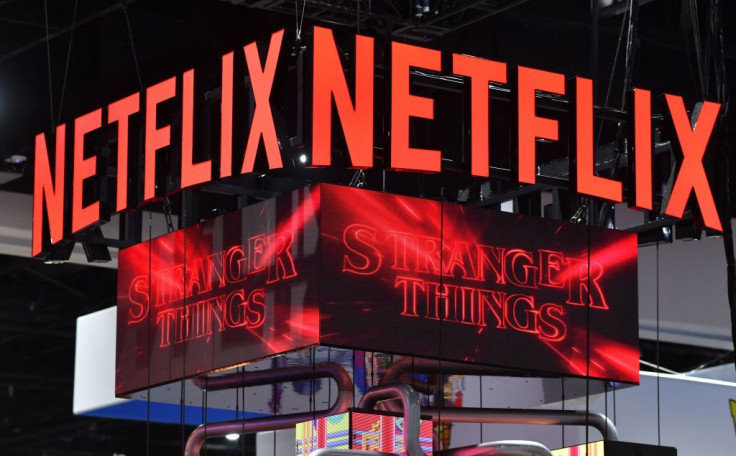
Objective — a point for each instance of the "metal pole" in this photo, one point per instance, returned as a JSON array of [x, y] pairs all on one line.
[[332, 370], [410, 402]]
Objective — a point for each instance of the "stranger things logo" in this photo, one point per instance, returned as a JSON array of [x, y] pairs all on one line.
[[491, 269], [235, 288], [468, 284], [212, 293]]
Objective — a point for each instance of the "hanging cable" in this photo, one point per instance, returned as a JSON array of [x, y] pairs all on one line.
[[242, 395], [132, 44], [593, 69], [605, 406], [68, 59], [440, 377], [587, 344], [150, 250], [695, 28], [562, 381], [148, 341], [299, 19], [48, 59], [480, 381], [659, 429], [184, 360]]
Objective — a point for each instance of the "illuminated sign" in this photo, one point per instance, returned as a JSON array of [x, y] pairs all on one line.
[[56, 216], [235, 288], [358, 269]]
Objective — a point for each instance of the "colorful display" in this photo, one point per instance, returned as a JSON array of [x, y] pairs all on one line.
[[359, 431], [357, 269]]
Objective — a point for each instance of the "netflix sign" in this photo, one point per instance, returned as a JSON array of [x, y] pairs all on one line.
[[70, 174], [365, 270]]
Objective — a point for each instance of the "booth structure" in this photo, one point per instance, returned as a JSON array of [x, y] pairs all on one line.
[[431, 328]]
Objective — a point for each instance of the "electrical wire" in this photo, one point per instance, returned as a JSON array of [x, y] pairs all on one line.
[[659, 421], [148, 340], [68, 59], [132, 44], [48, 59], [150, 250], [695, 28]]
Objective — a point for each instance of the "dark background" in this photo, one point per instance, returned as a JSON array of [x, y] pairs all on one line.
[[39, 303]]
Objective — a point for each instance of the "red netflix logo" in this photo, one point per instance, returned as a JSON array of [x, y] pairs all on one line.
[[55, 220]]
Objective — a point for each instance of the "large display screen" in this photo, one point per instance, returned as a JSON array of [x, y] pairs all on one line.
[[232, 289], [422, 278], [358, 269]]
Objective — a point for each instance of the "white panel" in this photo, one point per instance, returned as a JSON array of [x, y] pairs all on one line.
[[695, 415], [276, 443], [94, 361]]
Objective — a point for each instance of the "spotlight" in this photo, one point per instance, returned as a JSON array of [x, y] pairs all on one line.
[[232, 437], [16, 159], [12, 167], [303, 158]]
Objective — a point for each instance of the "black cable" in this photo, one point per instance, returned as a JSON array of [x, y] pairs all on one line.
[[68, 59], [614, 403], [148, 339], [204, 416], [605, 406], [480, 380], [373, 363], [659, 428], [593, 39], [562, 381], [242, 382], [440, 377], [593, 69], [312, 394], [720, 59], [184, 364], [132, 44], [48, 59], [695, 27], [630, 49], [329, 382], [587, 341]]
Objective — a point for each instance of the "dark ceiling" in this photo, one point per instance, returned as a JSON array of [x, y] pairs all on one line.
[[89, 60]]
